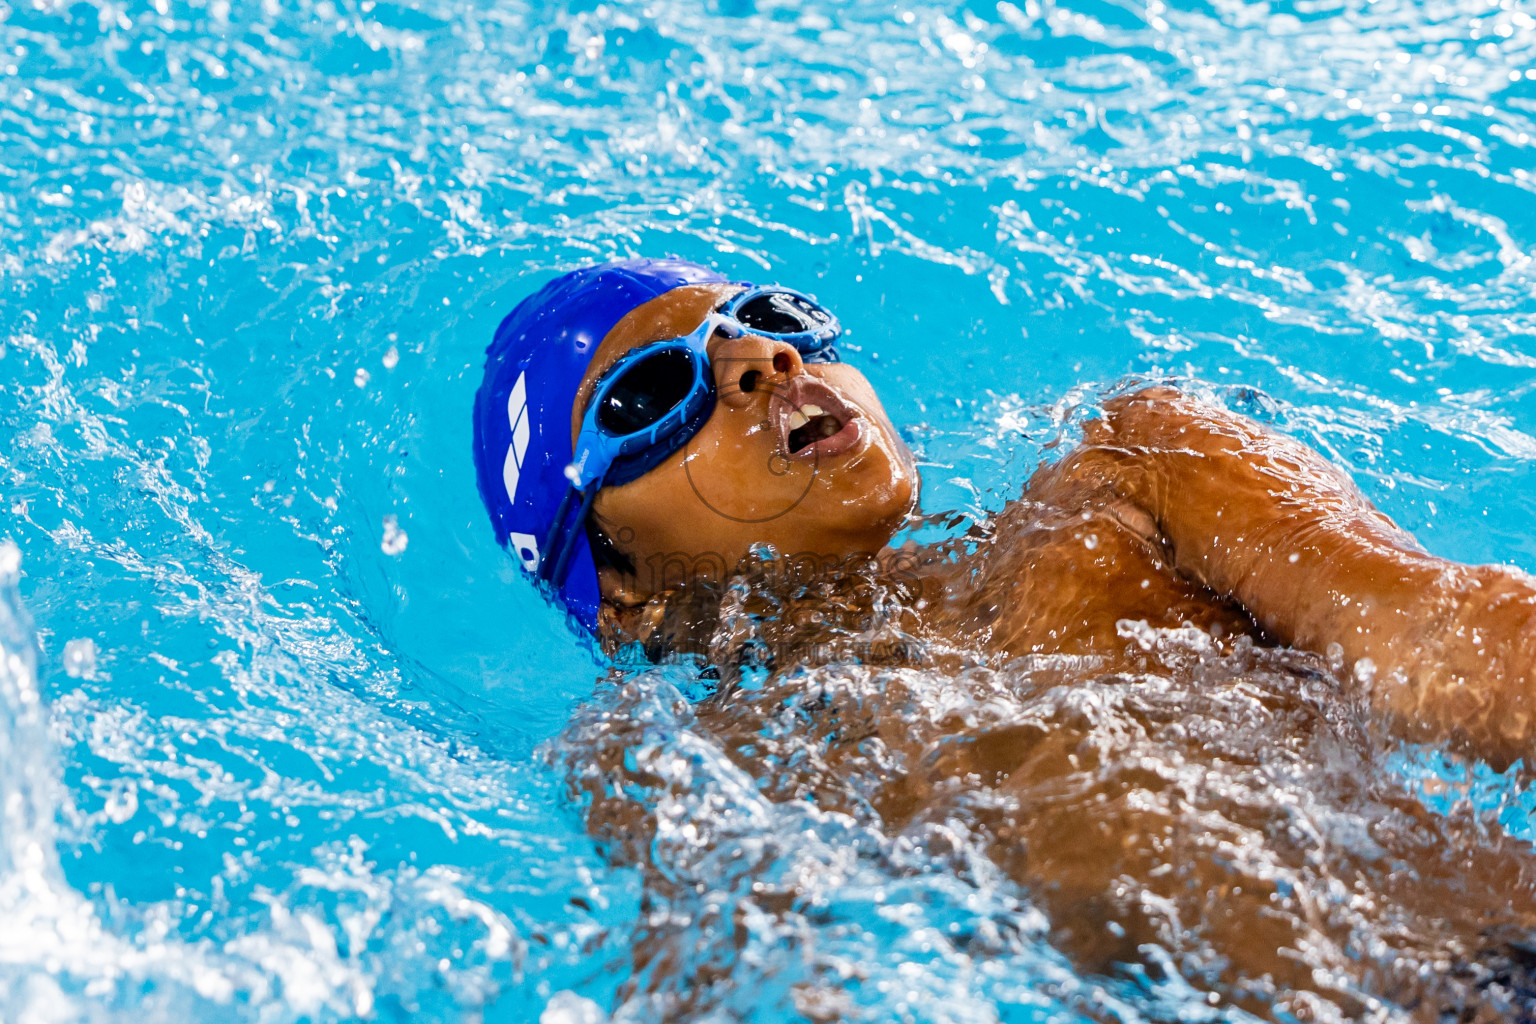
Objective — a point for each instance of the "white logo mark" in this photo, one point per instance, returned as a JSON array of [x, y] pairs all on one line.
[[526, 549], [517, 415]]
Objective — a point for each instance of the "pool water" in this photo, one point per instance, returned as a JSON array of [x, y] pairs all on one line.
[[283, 735]]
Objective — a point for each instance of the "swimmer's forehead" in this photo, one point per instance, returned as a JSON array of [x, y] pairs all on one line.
[[669, 315]]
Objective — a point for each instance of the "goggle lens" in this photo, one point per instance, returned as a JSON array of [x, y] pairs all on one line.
[[646, 392], [781, 313]]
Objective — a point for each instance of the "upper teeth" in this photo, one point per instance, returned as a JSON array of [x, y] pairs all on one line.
[[812, 410], [798, 419]]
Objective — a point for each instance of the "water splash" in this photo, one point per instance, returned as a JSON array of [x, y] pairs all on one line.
[[57, 960], [217, 213], [1209, 834]]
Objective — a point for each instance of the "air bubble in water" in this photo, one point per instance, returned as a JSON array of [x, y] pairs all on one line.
[[395, 538], [391, 358], [360, 378], [80, 658]]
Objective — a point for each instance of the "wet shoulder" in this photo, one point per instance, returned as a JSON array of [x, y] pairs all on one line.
[[1056, 578]]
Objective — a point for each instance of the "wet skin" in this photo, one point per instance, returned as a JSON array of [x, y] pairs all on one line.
[[735, 483], [1170, 512]]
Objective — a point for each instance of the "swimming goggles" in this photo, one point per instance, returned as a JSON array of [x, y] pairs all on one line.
[[651, 402]]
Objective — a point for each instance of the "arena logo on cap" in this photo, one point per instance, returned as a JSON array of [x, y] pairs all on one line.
[[517, 413], [527, 549], [524, 544]]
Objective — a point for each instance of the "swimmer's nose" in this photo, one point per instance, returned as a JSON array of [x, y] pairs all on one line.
[[749, 369]]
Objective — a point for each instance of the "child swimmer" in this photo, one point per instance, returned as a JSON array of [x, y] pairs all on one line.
[[676, 419], [644, 424]]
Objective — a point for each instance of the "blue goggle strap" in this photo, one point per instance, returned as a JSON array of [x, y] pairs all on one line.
[[560, 542], [568, 539]]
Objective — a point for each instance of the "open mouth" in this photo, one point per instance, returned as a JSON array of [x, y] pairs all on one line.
[[813, 420], [810, 424]]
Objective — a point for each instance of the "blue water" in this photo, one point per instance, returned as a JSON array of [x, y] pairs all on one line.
[[279, 761]]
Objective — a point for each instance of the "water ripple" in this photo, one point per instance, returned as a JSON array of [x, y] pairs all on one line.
[[252, 251]]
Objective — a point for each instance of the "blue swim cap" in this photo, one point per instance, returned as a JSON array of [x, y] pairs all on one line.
[[533, 368]]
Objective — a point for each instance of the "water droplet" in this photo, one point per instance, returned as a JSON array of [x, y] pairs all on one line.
[[80, 658], [569, 1008], [122, 803], [1137, 631], [395, 538]]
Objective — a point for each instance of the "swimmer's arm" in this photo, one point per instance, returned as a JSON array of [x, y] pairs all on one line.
[[1264, 519]]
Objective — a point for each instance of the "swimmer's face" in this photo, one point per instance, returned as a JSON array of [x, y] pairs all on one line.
[[798, 455]]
